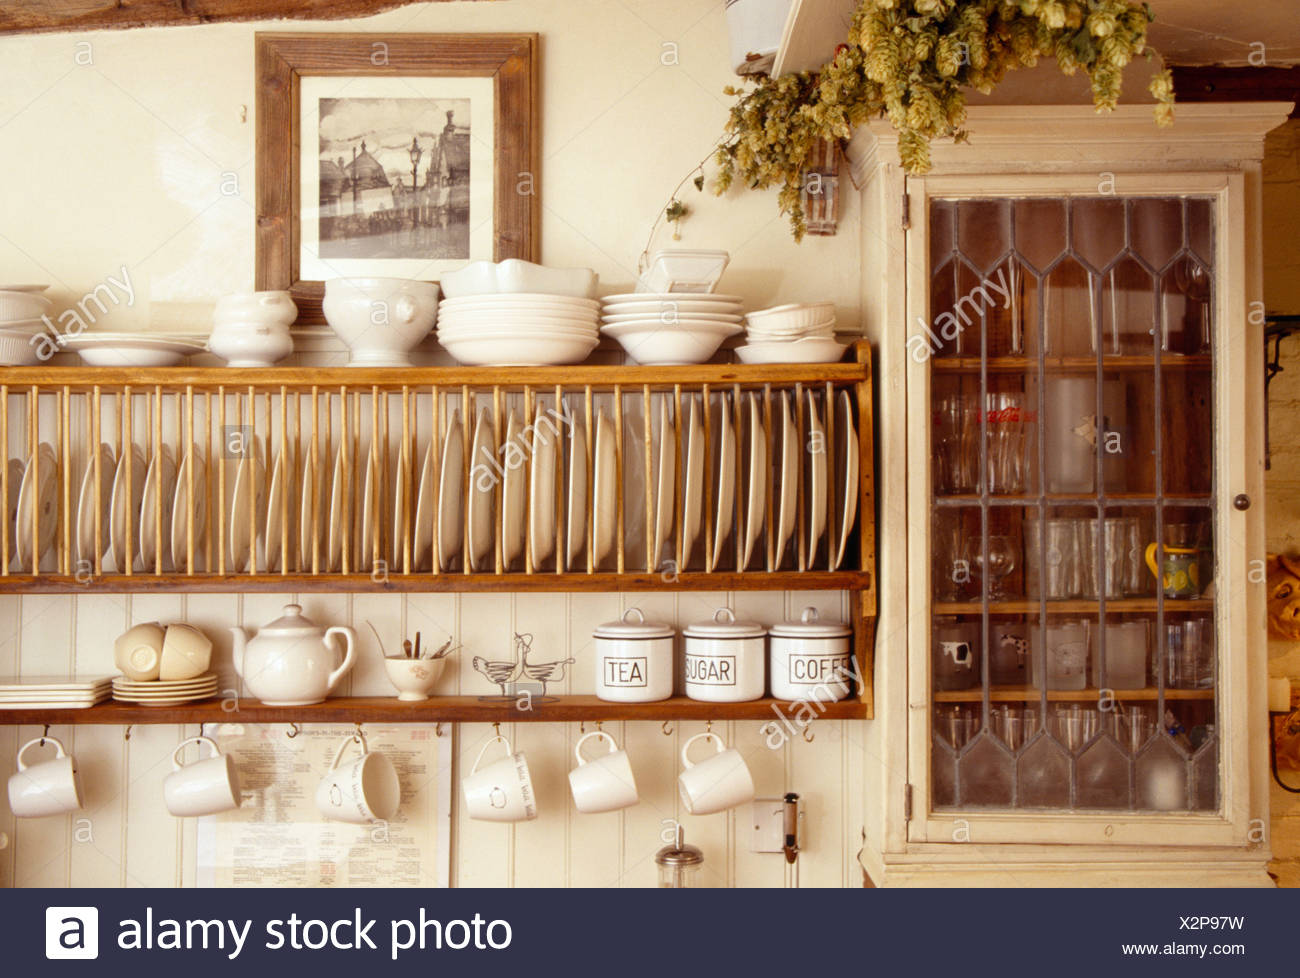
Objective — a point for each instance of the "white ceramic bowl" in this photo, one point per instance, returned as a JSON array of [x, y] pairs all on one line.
[[132, 349], [793, 316], [15, 306], [521, 300], [380, 319], [514, 317], [659, 345], [517, 332], [250, 344], [414, 677], [758, 333], [667, 317], [523, 351], [17, 349], [814, 349], [683, 270], [255, 307], [516, 276], [621, 297]]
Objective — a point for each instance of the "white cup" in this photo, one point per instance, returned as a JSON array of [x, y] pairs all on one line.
[[361, 791], [715, 783], [204, 787], [502, 791], [186, 653], [605, 783], [48, 788], [138, 652]]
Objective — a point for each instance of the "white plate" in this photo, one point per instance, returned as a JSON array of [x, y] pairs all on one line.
[[604, 490], [512, 493], [334, 521], [133, 462], [15, 483], [44, 495], [483, 480], [756, 503], [23, 288], [181, 508], [53, 684], [164, 688], [132, 349], [693, 488], [451, 505], [155, 508], [847, 467], [73, 704], [810, 350], [398, 542], [315, 492], [789, 479], [576, 521], [724, 500], [422, 537], [279, 499], [710, 297], [670, 311], [541, 494], [247, 529], [667, 479], [370, 520], [86, 506], [816, 479]]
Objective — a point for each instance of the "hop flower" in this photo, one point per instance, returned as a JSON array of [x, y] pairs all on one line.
[[1102, 23], [1053, 15]]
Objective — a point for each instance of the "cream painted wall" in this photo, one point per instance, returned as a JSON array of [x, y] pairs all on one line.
[[1282, 296], [121, 162]]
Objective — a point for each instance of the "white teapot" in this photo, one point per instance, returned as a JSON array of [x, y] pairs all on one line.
[[291, 662]]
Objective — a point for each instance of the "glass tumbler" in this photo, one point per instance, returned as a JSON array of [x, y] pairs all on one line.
[[1056, 573]]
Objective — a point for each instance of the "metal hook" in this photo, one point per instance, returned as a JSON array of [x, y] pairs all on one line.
[[45, 733], [496, 729], [807, 734], [582, 727], [358, 736], [294, 731], [437, 730], [668, 730], [598, 726], [126, 734], [708, 726]]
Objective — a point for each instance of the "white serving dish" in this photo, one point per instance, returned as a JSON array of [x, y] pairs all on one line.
[[487, 318], [517, 276], [479, 351], [660, 319], [684, 271], [634, 659], [795, 315], [809, 659], [17, 349], [16, 305], [353, 308], [653, 343], [536, 301], [814, 349], [132, 349], [725, 659], [255, 307], [761, 333], [250, 343]]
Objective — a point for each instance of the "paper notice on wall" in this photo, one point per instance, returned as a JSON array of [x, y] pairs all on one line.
[[278, 837]]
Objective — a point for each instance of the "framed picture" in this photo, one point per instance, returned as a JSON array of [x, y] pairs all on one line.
[[397, 155]]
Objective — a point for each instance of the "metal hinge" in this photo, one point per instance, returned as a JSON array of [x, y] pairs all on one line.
[[907, 802], [907, 211]]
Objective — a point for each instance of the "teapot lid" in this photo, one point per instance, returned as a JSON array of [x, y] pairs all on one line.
[[293, 620]]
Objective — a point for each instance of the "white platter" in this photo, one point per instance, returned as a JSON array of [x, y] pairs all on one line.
[[667, 479], [422, 537], [482, 491], [38, 490], [512, 494], [604, 490], [247, 526], [847, 462], [541, 494], [789, 479], [181, 509], [119, 506], [156, 508], [132, 349], [576, 520], [693, 484], [817, 465], [756, 501], [724, 499], [451, 499], [86, 506]]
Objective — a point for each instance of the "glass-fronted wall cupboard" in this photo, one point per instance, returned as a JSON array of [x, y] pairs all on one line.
[[1079, 695]]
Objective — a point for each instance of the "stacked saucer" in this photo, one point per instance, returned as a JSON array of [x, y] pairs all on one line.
[[52, 692], [162, 692], [794, 333], [664, 328]]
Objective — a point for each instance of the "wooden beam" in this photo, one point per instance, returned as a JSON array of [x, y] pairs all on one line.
[[1216, 84], [44, 16]]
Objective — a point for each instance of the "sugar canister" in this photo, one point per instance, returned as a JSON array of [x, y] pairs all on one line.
[[725, 659]]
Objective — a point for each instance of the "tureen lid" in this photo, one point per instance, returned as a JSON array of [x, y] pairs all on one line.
[[293, 620], [810, 625], [724, 625], [627, 628]]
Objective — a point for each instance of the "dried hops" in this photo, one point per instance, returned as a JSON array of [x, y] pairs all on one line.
[[911, 61]]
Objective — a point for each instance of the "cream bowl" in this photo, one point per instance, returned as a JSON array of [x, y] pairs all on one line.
[[814, 349], [250, 344], [380, 319], [255, 307], [794, 316], [519, 351], [655, 344], [414, 677]]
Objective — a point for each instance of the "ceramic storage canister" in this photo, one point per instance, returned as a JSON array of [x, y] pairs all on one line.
[[725, 659], [634, 659]]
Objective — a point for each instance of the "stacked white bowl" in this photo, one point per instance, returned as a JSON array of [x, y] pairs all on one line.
[[21, 309], [663, 328], [793, 333], [516, 313]]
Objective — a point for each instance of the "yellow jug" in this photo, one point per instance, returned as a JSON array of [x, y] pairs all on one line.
[[1181, 577]]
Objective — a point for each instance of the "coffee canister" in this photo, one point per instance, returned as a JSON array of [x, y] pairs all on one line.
[[634, 659], [809, 659], [725, 659]]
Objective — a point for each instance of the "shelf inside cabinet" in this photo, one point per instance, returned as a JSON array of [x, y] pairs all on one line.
[[443, 709], [1071, 365], [1075, 606], [1027, 694], [1073, 499]]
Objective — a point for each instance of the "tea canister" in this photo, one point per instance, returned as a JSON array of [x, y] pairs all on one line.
[[809, 659], [725, 659], [634, 659]]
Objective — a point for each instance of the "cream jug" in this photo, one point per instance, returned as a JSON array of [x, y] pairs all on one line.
[[292, 661]]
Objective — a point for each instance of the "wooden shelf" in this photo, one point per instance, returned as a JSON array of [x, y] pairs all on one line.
[[1070, 365], [1022, 694], [1074, 606], [440, 709], [397, 583], [1073, 499]]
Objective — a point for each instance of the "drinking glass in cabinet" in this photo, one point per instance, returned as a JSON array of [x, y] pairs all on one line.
[[1053, 565], [1060, 654], [955, 655], [1119, 653], [992, 558], [956, 434], [1111, 557], [949, 568], [1008, 653], [1189, 654], [1015, 725]]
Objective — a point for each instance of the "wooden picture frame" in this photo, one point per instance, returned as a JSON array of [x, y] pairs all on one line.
[[506, 62]]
